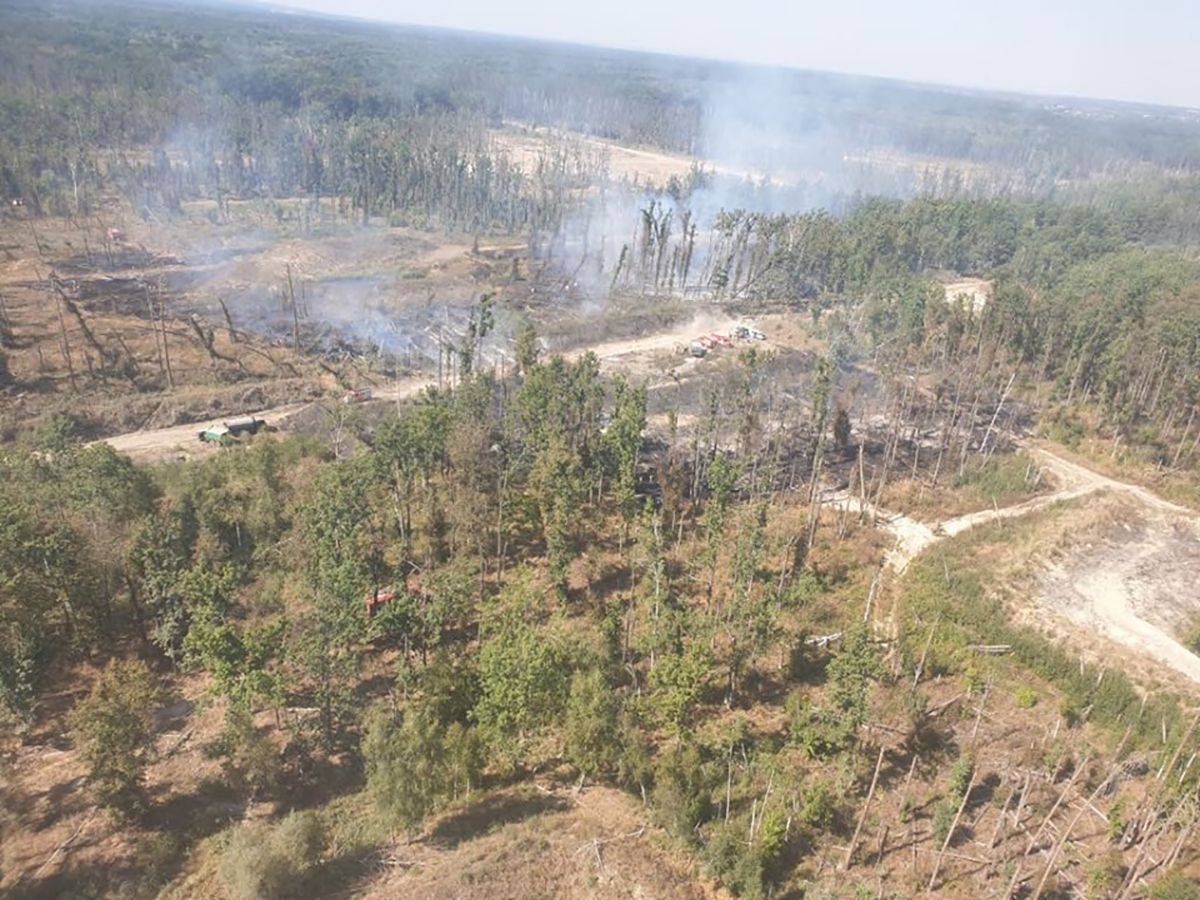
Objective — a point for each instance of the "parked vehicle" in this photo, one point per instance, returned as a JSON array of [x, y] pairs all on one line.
[[746, 333], [229, 431], [377, 599], [245, 425], [358, 395], [216, 434]]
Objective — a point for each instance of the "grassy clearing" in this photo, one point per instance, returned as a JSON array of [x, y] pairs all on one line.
[[995, 482], [959, 593]]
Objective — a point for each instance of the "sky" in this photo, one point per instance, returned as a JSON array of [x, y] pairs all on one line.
[[1139, 50]]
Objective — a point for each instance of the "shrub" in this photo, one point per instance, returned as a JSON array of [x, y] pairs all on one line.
[[741, 864], [524, 673], [1104, 877], [263, 862], [678, 681], [818, 806], [450, 687], [1001, 479], [826, 730], [960, 783], [1026, 697], [635, 767], [159, 858], [252, 761], [1174, 886]]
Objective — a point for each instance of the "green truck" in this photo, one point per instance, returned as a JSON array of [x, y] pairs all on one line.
[[216, 434], [230, 431]]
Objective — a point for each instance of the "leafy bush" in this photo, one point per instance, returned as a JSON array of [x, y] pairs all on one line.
[[830, 728], [252, 761], [524, 675], [678, 681], [737, 861], [635, 767], [1025, 697], [947, 809], [818, 806], [1001, 479], [262, 862], [405, 765], [1104, 877], [159, 858]]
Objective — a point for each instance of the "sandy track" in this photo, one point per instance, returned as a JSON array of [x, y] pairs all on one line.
[[612, 351], [160, 443], [528, 145]]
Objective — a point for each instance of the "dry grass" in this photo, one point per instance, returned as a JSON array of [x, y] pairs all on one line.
[[1003, 480]]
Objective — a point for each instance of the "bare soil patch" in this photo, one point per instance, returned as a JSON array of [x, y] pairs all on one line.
[[1129, 579]]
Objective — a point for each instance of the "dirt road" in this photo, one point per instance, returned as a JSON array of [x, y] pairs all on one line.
[[1122, 593], [180, 441], [162, 443]]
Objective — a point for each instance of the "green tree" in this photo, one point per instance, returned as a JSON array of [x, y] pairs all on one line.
[[112, 727], [722, 477], [523, 679], [655, 611], [832, 727], [747, 618], [162, 551], [406, 764], [623, 441], [682, 795], [592, 733], [342, 568], [679, 680], [526, 347], [557, 483]]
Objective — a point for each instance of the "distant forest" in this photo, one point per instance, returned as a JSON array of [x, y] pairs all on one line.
[[256, 103]]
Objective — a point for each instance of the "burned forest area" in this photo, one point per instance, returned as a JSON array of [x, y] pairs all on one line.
[[443, 465]]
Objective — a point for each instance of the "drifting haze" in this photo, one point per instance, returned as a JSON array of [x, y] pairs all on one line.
[[1113, 49]]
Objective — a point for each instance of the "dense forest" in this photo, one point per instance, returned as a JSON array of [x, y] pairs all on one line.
[[461, 561], [545, 577]]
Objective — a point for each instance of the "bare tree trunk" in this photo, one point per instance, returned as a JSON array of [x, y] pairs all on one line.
[[937, 864], [295, 313], [863, 816], [65, 343], [162, 322], [234, 335], [1016, 876]]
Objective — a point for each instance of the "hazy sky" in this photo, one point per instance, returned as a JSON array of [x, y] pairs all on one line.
[[1145, 50]]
